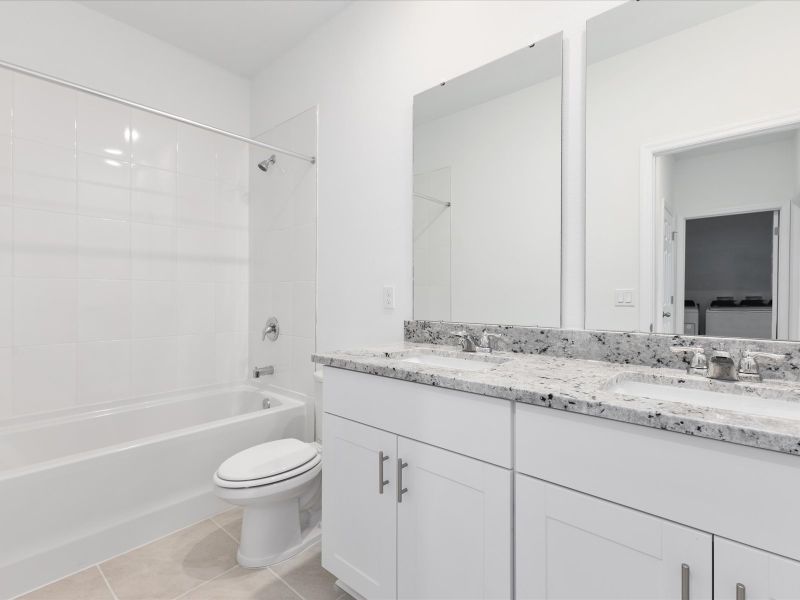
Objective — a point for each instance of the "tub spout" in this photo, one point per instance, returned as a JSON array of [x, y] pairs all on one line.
[[259, 371]]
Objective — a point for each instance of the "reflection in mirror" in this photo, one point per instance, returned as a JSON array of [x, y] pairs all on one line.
[[693, 113], [487, 192]]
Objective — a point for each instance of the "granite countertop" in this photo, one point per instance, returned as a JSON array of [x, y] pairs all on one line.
[[581, 386]]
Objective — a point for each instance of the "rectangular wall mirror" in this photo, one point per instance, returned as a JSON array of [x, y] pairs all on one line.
[[487, 192], [693, 169]]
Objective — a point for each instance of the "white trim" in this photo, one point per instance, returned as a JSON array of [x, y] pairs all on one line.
[[649, 205]]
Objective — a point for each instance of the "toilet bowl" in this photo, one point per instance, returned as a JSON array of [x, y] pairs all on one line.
[[278, 485]]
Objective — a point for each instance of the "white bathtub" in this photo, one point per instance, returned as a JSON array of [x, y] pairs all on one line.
[[84, 485]]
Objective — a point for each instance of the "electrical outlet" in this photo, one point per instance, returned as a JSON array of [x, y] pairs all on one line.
[[388, 296], [624, 298]]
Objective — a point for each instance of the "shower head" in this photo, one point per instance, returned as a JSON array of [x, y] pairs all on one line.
[[264, 165]]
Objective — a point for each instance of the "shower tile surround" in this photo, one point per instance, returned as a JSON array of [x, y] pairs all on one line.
[[123, 251], [283, 256]]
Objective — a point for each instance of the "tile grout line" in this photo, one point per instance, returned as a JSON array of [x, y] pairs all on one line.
[[284, 582], [198, 586], [108, 583], [225, 531]]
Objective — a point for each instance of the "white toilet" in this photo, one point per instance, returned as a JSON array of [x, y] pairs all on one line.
[[278, 485]]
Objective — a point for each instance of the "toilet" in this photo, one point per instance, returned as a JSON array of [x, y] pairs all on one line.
[[278, 485]]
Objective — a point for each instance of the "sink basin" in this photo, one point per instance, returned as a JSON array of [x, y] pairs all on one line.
[[455, 361], [743, 398]]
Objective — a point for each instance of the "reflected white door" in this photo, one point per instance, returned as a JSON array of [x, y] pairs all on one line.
[[668, 315], [776, 228]]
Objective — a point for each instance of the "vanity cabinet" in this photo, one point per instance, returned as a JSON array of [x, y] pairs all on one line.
[[570, 545], [406, 516], [745, 573]]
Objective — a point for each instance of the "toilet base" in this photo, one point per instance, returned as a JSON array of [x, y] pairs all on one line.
[[308, 538]]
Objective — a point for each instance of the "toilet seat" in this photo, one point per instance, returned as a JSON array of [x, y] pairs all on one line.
[[267, 464]]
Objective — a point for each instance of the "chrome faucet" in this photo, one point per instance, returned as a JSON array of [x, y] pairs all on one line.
[[699, 364], [749, 369], [259, 371], [469, 343], [721, 364]]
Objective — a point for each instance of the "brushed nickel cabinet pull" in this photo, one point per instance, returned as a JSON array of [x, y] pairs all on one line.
[[400, 489], [740, 591], [382, 458], [684, 581]]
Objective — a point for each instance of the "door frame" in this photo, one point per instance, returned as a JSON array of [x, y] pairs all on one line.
[[651, 209]]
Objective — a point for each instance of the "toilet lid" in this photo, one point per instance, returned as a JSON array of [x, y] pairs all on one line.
[[267, 460]]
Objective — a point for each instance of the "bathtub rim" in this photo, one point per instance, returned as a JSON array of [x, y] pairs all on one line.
[[75, 413]]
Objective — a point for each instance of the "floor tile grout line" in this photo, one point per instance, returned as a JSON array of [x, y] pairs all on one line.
[[286, 583], [198, 586], [108, 583], [225, 531]]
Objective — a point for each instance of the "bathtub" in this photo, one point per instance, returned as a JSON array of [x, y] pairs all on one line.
[[82, 485]]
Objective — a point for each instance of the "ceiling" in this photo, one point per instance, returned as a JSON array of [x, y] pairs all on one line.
[[242, 36]]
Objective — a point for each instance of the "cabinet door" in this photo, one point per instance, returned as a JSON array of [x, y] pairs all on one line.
[[453, 526], [359, 542], [570, 545], [753, 574]]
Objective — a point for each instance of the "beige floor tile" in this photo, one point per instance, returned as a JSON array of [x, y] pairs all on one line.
[[230, 521], [243, 584], [305, 575], [86, 585], [172, 565]]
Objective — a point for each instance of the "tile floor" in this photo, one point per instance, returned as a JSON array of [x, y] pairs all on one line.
[[196, 563]]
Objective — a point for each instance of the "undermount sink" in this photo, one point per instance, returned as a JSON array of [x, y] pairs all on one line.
[[453, 361], [737, 397]]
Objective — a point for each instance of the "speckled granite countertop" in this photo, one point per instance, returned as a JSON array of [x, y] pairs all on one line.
[[582, 386]]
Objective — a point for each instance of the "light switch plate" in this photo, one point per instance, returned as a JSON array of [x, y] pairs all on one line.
[[624, 298]]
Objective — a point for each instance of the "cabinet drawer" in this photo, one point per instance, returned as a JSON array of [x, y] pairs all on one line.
[[734, 491], [469, 424]]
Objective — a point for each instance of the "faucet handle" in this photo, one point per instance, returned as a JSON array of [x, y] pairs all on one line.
[[486, 339], [749, 365], [699, 363]]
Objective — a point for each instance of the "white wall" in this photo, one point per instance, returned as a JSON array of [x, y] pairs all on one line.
[[283, 219], [123, 251], [68, 40], [504, 158], [724, 72], [363, 68]]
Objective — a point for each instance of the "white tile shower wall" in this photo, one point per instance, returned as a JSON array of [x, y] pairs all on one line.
[[283, 256], [123, 251]]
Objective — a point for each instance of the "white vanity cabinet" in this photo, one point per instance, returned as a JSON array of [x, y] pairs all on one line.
[[606, 509], [359, 513], [745, 573], [416, 490], [570, 545]]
